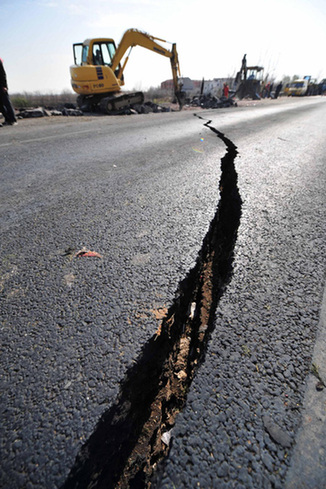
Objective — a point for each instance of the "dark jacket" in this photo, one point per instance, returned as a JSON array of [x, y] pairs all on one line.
[[3, 77]]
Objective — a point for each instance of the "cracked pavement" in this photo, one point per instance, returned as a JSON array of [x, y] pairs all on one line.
[[142, 193]]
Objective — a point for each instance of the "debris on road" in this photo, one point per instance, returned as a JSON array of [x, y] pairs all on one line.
[[315, 371], [192, 310], [72, 110], [84, 252], [166, 438], [70, 251], [320, 386], [33, 112], [279, 435], [212, 102], [69, 279], [146, 108], [43, 112], [69, 109]]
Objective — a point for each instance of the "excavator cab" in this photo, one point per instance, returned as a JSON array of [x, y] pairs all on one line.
[[102, 53], [92, 74]]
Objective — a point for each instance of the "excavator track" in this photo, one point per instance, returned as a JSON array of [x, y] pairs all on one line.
[[117, 104]]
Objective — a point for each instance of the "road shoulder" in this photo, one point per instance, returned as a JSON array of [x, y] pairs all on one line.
[[308, 464]]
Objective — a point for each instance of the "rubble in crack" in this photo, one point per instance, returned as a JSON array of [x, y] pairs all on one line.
[[134, 435]]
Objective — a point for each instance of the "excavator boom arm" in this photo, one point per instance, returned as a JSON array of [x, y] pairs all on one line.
[[134, 37]]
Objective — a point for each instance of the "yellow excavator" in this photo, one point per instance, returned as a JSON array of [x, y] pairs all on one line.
[[97, 75]]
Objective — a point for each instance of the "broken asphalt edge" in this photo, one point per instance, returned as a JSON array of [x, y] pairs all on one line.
[[308, 463]]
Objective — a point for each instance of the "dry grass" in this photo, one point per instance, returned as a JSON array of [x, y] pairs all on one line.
[[37, 99]]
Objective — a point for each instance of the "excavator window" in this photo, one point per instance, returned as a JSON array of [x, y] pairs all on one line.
[[106, 55], [78, 53], [111, 49], [85, 54], [103, 53], [97, 55]]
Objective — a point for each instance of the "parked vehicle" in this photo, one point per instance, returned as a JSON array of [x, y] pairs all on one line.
[[297, 87]]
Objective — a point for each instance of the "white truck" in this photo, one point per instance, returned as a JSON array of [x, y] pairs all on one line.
[[298, 87]]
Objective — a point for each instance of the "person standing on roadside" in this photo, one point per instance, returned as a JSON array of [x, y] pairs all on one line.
[[266, 90], [5, 104], [226, 90], [278, 89]]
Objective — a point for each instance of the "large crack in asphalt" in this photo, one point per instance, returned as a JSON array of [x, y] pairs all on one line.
[[132, 437]]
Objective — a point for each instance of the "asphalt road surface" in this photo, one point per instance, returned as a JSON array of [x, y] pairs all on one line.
[[143, 192]]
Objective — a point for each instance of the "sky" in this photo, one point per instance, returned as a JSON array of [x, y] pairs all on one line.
[[287, 37]]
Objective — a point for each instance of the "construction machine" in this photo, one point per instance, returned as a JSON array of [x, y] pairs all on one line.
[[98, 75], [248, 80]]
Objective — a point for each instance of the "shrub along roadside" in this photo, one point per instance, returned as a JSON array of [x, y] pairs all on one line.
[[23, 100]]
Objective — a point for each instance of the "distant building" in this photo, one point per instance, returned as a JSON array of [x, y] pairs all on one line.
[[215, 86], [212, 87], [188, 85]]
